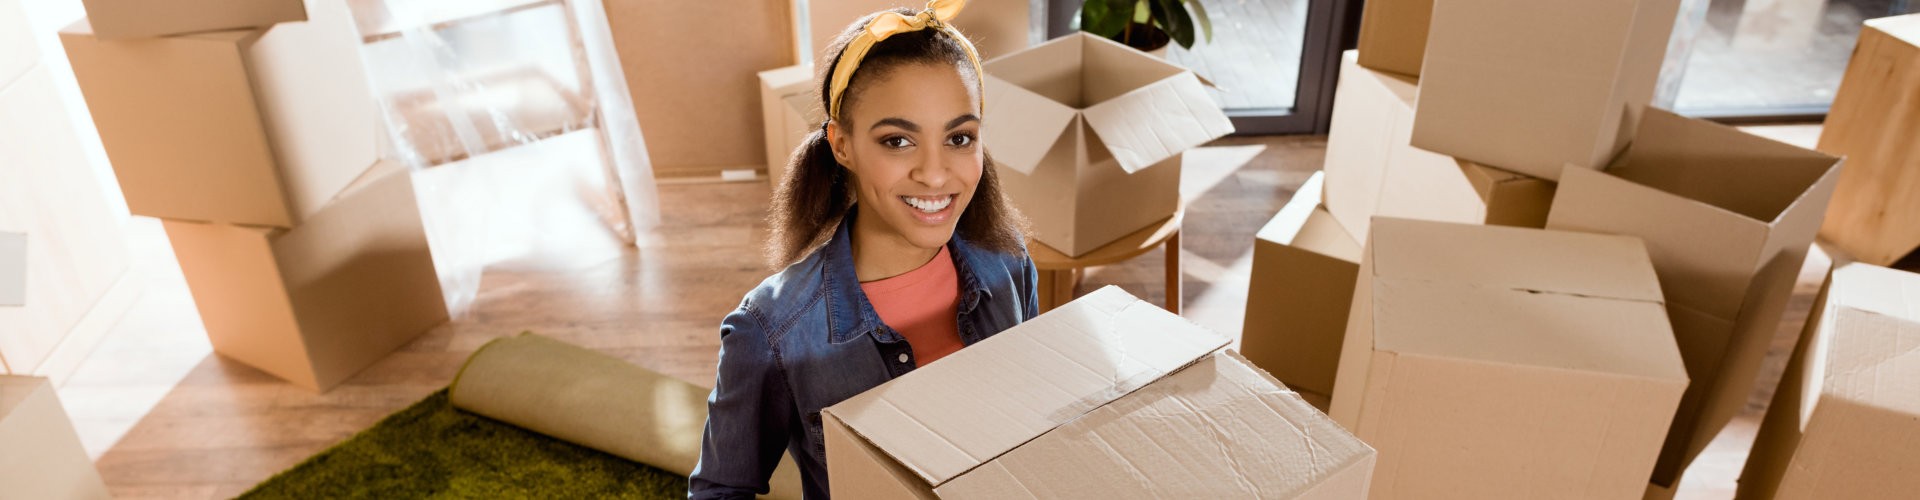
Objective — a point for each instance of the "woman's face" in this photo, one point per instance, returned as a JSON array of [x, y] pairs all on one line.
[[912, 142]]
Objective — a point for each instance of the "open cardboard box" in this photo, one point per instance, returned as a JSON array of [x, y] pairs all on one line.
[[125, 19], [1728, 218], [1876, 204], [1846, 419], [789, 109], [316, 303], [1531, 86], [1104, 397], [1496, 362], [1304, 265], [1372, 169], [42, 457], [1090, 132], [258, 126]]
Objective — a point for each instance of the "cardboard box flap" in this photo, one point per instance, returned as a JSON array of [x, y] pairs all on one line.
[[1031, 125], [946, 418], [1153, 123], [1753, 176], [1593, 265], [1309, 227], [1905, 28], [790, 79], [1873, 354], [1515, 327], [1218, 429]]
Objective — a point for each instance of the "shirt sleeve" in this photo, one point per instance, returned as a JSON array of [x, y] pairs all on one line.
[[749, 415], [1029, 282]]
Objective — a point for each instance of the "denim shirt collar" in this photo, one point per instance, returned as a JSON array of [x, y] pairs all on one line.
[[850, 315]]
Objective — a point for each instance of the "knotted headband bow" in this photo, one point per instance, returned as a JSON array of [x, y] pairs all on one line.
[[887, 24]]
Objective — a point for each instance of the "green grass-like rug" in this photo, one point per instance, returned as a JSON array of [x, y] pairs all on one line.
[[432, 450]]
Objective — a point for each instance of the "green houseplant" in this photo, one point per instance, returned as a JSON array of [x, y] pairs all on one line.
[[1148, 25]]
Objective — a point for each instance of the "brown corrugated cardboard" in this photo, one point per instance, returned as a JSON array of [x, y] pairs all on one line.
[[1304, 265], [1876, 205], [1728, 218], [789, 109], [1846, 418], [17, 48], [1532, 86], [1373, 170], [13, 269], [690, 68], [248, 127], [123, 19], [1393, 35], [996, 27], [42, 457], [1106, 396], [76, 249], [1090, 133], [1499, 362], [315, 304]]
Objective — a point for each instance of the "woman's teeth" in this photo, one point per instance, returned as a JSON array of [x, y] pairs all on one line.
[[928, 205]]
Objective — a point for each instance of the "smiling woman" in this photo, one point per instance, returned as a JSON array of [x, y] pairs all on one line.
[[894, 244]]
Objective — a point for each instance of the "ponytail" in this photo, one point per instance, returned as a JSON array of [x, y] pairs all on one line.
[[809, 202]]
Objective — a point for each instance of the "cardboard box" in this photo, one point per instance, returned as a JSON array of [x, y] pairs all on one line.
[[315, 304], [17, 48], [13, 269], [693, 89], [256, 127], [1500, 362], [1393, 35], [1091, 133], [76, 249], [1728, 218], [1372, 169], [1876, 205], [1106, 396], [43, 457], [996, 27], [1304, 265], [1531, 86], [1846, 418], [124, 19], [789, 109]]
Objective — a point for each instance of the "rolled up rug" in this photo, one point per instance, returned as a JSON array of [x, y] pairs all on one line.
[[594, 400]]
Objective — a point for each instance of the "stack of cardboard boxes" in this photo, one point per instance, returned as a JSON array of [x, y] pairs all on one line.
[[256, 147], [1534, 114]]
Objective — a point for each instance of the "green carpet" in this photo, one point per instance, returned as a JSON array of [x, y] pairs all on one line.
[[432, 450]]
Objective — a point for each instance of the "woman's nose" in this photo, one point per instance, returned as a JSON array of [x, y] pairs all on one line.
[[932, 169]]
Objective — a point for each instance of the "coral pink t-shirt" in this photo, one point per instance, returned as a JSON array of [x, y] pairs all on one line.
[[923, 305]]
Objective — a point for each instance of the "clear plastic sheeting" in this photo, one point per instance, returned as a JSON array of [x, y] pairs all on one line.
[[504, 107]]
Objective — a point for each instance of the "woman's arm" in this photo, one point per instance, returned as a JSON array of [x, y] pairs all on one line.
[[1029, 284], [749, 414]]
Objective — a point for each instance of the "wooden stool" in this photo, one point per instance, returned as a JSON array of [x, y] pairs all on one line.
[[1060, 274]]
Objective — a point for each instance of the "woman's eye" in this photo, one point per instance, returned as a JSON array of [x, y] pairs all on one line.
[[896, 142], [960, 140]]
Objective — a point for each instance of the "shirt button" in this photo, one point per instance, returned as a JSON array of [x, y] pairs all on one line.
[[903, 357]]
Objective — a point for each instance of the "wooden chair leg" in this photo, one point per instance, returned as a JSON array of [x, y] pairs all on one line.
[[1173, 272]]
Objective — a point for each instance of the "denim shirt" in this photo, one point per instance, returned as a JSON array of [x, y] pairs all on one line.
[[807, 338]]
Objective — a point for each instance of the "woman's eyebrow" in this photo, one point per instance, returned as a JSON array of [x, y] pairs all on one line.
[[963, 119], [897, 122]]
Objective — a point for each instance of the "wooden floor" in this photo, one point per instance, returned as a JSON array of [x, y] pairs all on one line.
[[168, 419]]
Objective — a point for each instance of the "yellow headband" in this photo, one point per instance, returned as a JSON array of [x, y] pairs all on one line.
[[887, 24]]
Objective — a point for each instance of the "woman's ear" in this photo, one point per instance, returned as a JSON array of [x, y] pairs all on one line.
[[838, 141]]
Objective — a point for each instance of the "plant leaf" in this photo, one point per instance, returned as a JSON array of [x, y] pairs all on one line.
[[1142, 12], [1107, 18], [1175, 21], [1206, 21]]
